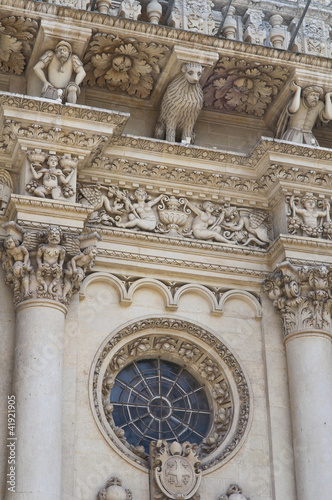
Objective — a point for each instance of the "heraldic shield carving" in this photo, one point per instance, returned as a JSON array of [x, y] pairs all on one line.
[[175, 470]]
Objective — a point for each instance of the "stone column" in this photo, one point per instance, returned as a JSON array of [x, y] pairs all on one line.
[[302, 296], [38, 390], [44, 269]]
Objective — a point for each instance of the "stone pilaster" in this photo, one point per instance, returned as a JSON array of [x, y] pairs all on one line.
[[303, 296]]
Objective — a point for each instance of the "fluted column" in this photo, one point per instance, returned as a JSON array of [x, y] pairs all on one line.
[[44, 269], [302, 296]]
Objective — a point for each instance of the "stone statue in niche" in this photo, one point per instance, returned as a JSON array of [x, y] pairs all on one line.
[[299, 117], [50, 258], [55, 69], [176, 472], [50, 180], [16, 263], [114, 491], [140, 213], [181, 105], [312, 219], [234, 492]]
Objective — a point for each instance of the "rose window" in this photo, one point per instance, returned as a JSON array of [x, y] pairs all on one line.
[[157, 399]]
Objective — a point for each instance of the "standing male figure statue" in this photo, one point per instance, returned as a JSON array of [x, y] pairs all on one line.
[[298, 118], [55, 69]]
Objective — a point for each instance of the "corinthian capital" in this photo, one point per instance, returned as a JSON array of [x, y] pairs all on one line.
[[46, 264], [302, 295]]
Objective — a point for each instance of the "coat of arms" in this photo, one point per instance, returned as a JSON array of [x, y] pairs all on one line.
[[176, 470]]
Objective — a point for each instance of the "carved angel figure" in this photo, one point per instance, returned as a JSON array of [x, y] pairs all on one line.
[[76, 268], [206, 226], [298, 119], [50, 258], [140, 213], [16, 263], [94, 196], [245, 226], [50, 178], [55, 69]]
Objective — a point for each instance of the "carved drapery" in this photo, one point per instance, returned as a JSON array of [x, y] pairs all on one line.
[[303, 296]]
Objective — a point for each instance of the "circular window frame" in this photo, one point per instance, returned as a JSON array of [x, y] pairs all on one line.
[[211, 362]]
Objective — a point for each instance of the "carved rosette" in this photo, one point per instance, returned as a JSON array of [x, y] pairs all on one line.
[[302, 296], [176, 471], [46, 264], [181, 342]]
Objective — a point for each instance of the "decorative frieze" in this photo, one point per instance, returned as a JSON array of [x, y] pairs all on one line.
[[193, 15], [123, 64], [46, 264], [237, 85], [302, 296], [17, 35], [177, 217]]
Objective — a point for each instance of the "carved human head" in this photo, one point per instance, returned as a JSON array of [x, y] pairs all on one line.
[[309, 201], [312, 94], [141, 194], [208, 206], [63, 51], [192, 72], [53, 235], [11, 242], [52, 161]]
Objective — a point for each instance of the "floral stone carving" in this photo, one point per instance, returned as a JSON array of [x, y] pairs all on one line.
[[46, 264], [193, 15], [55, 69], [114, 491], [302, 296], [309, 216], [6, 186], [52, 176], [175, 471], [234, 492], [125, 65], [16, 38], [236, 85], [299, 117], [181, 105]]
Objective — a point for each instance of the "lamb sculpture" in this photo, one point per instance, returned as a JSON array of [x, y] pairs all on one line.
[[181, 105]]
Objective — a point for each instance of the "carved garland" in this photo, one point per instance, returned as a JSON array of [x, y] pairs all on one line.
[[188, 343]]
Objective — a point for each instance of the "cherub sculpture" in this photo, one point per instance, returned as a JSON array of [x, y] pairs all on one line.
[[16, 263], [141, 214], [50, 177], [206, 226], [76, 268], [299, 117], [50, 258], [60, 64], [181, 105]]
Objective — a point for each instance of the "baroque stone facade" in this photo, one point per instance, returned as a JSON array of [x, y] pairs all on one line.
[[165, 237]]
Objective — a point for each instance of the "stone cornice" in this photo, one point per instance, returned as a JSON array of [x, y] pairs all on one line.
[[162, 32]]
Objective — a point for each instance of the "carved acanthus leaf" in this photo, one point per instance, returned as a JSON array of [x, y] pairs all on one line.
[[16, 36], [125, 65], [236, 85]]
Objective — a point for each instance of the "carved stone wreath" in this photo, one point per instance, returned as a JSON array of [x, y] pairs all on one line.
[[236, 85], [16, 37], [123, 64], [209, 360]]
